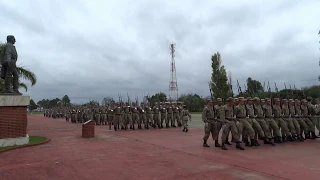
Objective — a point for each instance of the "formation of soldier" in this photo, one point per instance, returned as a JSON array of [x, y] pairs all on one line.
[[276, 121], [122, 115]]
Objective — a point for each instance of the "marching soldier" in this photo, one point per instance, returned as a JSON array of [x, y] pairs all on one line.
[[268, 116], [300, 119], [156, 117], [307, 111], [117, 116], [277, 112], [170, 116], [149, 116], [288, 120], [143, 116], [185, 116], [220, 115], [135, 116], [163, 116], [208, 119], [294, 120]]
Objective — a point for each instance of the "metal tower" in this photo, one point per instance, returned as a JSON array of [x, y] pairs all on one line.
[[173, 86]]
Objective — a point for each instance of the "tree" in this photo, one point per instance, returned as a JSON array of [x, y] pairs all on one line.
[[219, 80], [66, 100], [254, 87], [32, 105], [159, 97], [24, 74], [107, 101], [194, 102]]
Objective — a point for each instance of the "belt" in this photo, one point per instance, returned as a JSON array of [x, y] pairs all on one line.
[[259, 117], [268, 117]]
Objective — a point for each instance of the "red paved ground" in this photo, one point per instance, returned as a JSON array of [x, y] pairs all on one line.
[[150, 154]]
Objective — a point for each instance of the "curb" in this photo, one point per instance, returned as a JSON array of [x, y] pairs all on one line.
[[23, 146]]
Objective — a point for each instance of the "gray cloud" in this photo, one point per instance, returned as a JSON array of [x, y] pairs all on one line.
[[93, 49]]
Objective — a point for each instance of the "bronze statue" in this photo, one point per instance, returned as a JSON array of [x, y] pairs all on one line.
[[9, 69]]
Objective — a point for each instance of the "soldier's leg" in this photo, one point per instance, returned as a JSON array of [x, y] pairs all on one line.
[[185, 125], [247, 126], [311, 124], [276, 131], [207, 130], [139, 120], [266, 129], [291, 127], [303, 127], [258, 129], [131, 121], [179, 120], [167, 121], [318, 124], [116, 121], [235, 134], [286, 135], [216, 131]]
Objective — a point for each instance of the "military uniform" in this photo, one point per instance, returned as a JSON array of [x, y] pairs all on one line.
[[163, 111], [185, 116], [230, 125], [277, 111], [298, 116], [288, 120], [135, 117], [221, 119], [208, 119], [267, 109], [170, 116], [117, 117], [156, 117]]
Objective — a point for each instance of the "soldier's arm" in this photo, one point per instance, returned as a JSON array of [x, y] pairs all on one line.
[[9, 51], [204, 115]]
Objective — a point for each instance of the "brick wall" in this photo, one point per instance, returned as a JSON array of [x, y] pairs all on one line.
[[13, 122], [88, 129]]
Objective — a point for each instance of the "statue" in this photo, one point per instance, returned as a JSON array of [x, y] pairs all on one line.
[[9, 72]]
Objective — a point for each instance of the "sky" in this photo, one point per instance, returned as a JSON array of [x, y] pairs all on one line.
[[91, 49]]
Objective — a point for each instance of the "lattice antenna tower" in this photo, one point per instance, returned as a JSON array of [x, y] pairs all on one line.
[[319, 49], [173, 85]]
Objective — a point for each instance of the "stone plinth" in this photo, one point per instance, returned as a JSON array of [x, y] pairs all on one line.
[[88, 129], [13, 120]]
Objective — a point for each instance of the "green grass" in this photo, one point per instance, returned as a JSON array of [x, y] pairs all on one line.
[[32, 140], [35, 113]]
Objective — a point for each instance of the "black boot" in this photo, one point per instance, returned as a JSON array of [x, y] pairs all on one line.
[[254, 142], [223, 147], [284, 138], [205, 144], [247, 143], [238, 146], [307, 135], [216, 144], [187, 130], [313, 135], [167, 126], [227, 141], [184, 129], [268, 141]]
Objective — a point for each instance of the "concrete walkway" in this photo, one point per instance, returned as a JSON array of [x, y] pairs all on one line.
[[150, 154]]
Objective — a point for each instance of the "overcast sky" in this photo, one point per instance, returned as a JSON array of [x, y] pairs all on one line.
[[90, 49]]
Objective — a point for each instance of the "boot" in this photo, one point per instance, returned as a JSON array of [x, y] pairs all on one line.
[[167, 126], [307, 135], [216, 144], [227, 141], [115, 128], [284, 138], [238, 146], [16, 85], [247, 143], [254, 142], [205, 144], [300, 138], [7, 84], [184, 129], [187, 130], [179, 124], [313, 135], [223, 147], [268, 141]]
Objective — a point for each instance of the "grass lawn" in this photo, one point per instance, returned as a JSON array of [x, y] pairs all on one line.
[[35, 113], [32, 140]]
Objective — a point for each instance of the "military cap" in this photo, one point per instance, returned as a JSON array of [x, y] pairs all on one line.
[[185, 106], [267, 99], [241, 98], [236, 99], [309, 98], [249, 99], [304, 100], [209, 100], [276, 99], [262, 100], [284, 100], [291, 100], [219, 99], [229, 99], [297, 101], [256, 99]]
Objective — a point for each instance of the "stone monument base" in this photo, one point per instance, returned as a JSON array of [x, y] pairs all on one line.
[[14, 141], [13, 119], [88, 129]]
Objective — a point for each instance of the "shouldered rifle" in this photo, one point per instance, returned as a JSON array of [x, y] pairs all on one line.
[[270, 94]]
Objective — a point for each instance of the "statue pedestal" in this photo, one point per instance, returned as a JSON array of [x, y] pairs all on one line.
[[13, 120], [88, 129]]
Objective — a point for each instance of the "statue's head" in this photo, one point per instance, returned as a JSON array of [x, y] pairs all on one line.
[[11, 39]]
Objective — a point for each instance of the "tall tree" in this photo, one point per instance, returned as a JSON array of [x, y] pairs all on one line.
[[194, 102], [219, 80], [32, 105], [107, 101], [253, 87], [66, 100], [159, 97]]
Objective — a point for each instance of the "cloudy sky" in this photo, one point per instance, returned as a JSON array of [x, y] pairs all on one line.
[[90, 49]]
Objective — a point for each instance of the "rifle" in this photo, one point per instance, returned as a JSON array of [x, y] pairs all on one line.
[[245, 89], [303, 93], [285, 86], [276, 88], [269, 90], [291, 91], [239, 88]]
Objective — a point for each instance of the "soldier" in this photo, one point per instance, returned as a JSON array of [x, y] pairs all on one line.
[[230, 125], [240, 113], [300, 119], [73, 116], [179, 120], [156, 116], [260, 119], [318, 114], [267, 109], [163, 116], [110, 118], [143, 116], [170, 118], [288, 120], [308, 111], [220, 114], [277, 112], [185, 116], [117, 116], [208, 119], [135, 116], [149, 116], [80, 116], [175, 115], [255, 124]]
